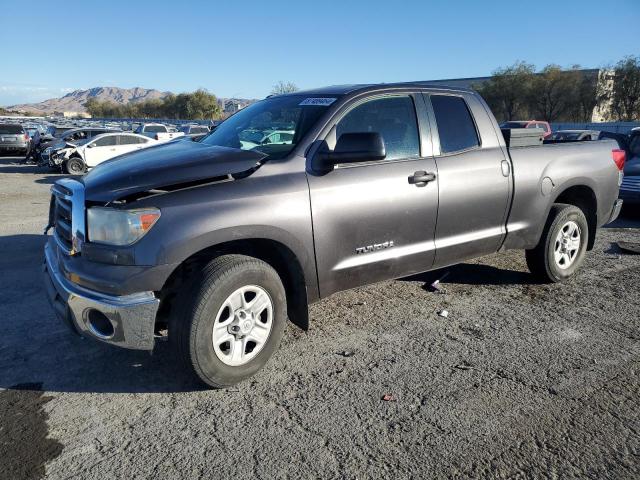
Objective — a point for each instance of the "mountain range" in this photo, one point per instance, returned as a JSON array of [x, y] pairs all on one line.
[[74, 101]]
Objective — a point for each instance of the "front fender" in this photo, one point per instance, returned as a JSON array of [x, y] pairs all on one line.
[[262, 207]]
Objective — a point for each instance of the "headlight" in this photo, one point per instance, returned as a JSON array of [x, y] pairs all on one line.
[[119, 227]]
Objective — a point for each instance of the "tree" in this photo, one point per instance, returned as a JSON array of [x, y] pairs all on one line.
[[552, 94], [624, 94], [197, 105], [507, 90], [202, 105], [284, 87]]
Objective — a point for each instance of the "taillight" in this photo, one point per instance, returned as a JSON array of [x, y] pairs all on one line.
[[26, 137], [619, 157]]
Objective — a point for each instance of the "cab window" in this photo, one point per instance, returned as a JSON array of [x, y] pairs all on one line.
[[456, 128], [392, 117]]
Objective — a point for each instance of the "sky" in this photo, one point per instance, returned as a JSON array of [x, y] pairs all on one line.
[[242, 48]]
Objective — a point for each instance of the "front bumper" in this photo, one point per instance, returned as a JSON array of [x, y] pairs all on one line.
[[125, 321], [15, 149]]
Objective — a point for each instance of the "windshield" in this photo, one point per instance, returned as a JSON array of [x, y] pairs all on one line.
[[634, 146], [273, 126]]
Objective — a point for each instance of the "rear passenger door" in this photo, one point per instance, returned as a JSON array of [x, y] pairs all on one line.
[[129, 143], [474, 181]]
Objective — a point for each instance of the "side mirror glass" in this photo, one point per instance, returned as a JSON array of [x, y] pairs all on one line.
[[352, 148]]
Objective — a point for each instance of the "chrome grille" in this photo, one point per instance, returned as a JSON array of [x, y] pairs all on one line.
[[631, 184], [66, 215]]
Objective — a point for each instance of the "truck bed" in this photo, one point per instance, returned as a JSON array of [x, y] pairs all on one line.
[[539, 172]]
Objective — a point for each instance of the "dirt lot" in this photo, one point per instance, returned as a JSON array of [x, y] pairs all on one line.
[[521, 380]]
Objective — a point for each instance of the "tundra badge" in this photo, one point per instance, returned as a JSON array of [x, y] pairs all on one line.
[[375, 247]]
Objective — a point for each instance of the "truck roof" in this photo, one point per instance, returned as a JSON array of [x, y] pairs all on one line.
[[361, 88]]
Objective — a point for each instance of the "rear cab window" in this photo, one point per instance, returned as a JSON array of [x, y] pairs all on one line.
[[455, 124]]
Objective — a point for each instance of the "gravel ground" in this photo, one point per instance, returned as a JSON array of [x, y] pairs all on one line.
[[521, 380]]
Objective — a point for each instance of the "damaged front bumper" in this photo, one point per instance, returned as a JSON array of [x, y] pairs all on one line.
[[125, 321]]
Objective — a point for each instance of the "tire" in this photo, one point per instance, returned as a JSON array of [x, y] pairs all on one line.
[[74, 166], [205, 304], [557, 256]]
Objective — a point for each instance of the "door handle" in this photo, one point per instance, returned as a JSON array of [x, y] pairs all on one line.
[[421, 178], [506, 169]]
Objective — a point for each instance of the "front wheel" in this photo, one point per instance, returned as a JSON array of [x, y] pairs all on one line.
[[74, 166], [562, 246], [230, 321]]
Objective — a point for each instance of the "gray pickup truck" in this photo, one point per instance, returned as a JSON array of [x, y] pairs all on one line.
[[216, 244]]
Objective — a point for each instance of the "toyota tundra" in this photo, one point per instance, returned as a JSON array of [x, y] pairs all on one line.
[[217, 244]]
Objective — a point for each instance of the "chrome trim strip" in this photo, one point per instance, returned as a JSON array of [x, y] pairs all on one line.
[[78, 224]]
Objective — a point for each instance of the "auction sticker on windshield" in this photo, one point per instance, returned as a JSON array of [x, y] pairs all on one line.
[[323, 102]]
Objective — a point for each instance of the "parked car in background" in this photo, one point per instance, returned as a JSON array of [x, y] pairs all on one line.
[[72, 136], [574, 135], [529, 124], [630, 188], [76, 159], [14, 140], [221, 243], [54, 131], [157, 131], [254, 137], [621, 138], [196, 132]]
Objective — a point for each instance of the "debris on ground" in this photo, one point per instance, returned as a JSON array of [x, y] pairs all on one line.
[[387, 397], [435, 285], [629, 247], [443, 313], [346, 353], [463, 366]]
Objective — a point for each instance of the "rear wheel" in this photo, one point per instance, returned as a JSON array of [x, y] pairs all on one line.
[[74, 166], [562, 246], [230, 321]]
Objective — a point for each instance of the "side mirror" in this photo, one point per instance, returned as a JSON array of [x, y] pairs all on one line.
[[91, 145], [352, 148]]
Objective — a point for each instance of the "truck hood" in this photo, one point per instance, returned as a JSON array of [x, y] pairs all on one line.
[[632, 167], [168, 165]]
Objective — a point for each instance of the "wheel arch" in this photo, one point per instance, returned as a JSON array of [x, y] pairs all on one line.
[[583, 197], [275, 253]]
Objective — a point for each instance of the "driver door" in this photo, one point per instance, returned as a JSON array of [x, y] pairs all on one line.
[[370, 222]]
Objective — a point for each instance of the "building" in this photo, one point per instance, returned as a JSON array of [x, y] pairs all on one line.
[[72, 114], [232, 105]]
